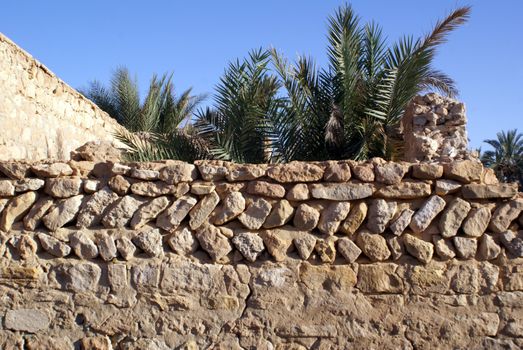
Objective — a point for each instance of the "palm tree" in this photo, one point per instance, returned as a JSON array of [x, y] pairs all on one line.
[[352, 109], [507, 157], [159, 127], [237, 127]]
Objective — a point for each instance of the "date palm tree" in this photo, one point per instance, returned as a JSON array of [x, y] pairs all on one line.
[[236, 128], [158, 127], [506, 158], [352, 108]]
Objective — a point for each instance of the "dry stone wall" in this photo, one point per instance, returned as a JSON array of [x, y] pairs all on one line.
[[41, 116], [216, 255]]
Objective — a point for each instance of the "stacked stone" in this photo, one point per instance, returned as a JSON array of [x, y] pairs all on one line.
[[435, 129], [354, 211]]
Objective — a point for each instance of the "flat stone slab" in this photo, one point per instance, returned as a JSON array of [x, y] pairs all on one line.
[[26, 320]]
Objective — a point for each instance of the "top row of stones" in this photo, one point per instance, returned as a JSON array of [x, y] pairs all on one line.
[[375, 170]]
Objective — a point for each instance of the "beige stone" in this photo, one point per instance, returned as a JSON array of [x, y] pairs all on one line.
[[16, 209], [267, 189], [304, 245], [348, 249], [354, 219], [372, 245], [399, 224], [245, 172], [37, 212], [178, 172], [466, 247], [396, 246], [91, 186], [97, 151], [332, 216], [488, 249], [464, 171], [428, 211], [341, 191], [15, 170], [281, 213], [477, 221], [249, 244], [504, 214], [28, 184], [295, 172], [150, 242], [380, 214], [53, 246], [119, 184], [299, 192], [418, 248], [276, 244], [254, 216], [445, 186], [202, 188], [379, 278], [96, 343], [390, 173], [453, 216], [326, 250], [337, 172], [158, 188], [405, 190], [91, 212], [232, 205], [83, 246], [212, 170], [201, 211], [213, 242], [63, 213], [63, 187], [427, 171], [7, 189], [149, 211], [306, 217], [480, 191], [171, 218], [145, 174], [182, 241], [52, 170], [119, 214], [364, 172], [443, 247]]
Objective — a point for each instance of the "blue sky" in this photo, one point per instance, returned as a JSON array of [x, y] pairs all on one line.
[[85, 40]]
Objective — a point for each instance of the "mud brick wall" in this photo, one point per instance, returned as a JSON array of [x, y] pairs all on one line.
[[216, 255]]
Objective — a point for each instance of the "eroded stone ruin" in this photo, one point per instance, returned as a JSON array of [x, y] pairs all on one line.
[[103, 254]]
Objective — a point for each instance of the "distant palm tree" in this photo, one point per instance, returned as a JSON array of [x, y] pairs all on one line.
[[353, 108], [507, 157], [159, 127]]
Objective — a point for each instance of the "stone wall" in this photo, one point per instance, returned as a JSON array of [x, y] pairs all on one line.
[[435, 130], [41, 116], [331, 255]]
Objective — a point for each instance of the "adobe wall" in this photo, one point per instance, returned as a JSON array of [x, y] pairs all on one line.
[[331, 255], [40, 115]]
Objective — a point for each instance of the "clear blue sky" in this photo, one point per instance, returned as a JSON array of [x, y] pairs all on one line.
[[85, 40]]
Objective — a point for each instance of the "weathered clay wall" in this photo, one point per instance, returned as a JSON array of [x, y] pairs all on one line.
[[41, 116], [331, 255]]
